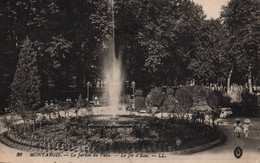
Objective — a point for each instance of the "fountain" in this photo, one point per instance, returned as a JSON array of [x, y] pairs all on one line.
[[112, 73], [114, 114]]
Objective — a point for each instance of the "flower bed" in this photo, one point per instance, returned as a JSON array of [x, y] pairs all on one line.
[[144, 135]]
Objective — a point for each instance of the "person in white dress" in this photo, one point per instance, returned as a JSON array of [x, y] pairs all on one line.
[[246, 127]]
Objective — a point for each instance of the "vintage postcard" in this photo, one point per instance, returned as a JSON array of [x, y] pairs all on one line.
[[129, 81]]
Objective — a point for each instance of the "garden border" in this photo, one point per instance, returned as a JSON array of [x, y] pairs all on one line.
[[220, 140], [15, 145]]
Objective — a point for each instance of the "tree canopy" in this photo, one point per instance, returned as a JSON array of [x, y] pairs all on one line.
[[159, 42]]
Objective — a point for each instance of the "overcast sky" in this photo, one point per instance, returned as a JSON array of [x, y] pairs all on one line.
[[212, 8]]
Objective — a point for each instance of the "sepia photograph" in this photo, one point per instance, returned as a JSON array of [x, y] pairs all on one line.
[[129, 81]]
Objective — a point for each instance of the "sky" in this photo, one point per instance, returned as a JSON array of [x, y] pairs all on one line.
[[212, 8]]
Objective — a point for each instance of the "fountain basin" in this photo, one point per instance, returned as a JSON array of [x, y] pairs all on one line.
[[111, 121], [108, 110]]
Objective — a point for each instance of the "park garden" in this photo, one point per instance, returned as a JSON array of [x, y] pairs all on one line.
[[167, 73]]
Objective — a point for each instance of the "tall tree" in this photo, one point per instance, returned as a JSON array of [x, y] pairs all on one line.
[[25, 95], [8, 56], [168, 32], [210, 63], [241, 18]]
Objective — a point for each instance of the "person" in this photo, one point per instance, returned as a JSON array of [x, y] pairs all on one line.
[[237, 127], [246, 127]]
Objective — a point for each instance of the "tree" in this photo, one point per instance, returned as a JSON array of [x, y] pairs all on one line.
[[8, 56], [210, 62], [25, 94], [241, 18], [59, 32], [168, 33]]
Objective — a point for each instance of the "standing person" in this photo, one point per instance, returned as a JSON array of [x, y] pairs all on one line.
[[246, 127], [237, 127]]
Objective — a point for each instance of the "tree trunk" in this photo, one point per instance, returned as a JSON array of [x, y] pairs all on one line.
[[228, 81], [250, 81]]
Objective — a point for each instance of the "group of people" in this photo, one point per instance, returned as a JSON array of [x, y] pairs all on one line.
[[238, 127]]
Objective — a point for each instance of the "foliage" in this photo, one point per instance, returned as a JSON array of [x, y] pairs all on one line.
[[224, 100], [184, 98], [147, 135], [140, 130], [156, 97], [63, 49], [199, 94], [249, 104], [7, 122], [213, 102], [241, 20], [210, 63], [170, 102], [162, 32], [139, 103], [25, 87], [80, 102], [139, 93], [170, 91], [47, 110], [174, 46]]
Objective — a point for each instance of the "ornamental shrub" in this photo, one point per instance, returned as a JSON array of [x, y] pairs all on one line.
[[169, 91], [156, 97], [138, 93], [139, 103], [213, 100], [199, 94], [184, 98], [170, 102]]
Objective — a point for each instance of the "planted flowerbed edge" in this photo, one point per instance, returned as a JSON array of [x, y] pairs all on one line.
[[221, 139]]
